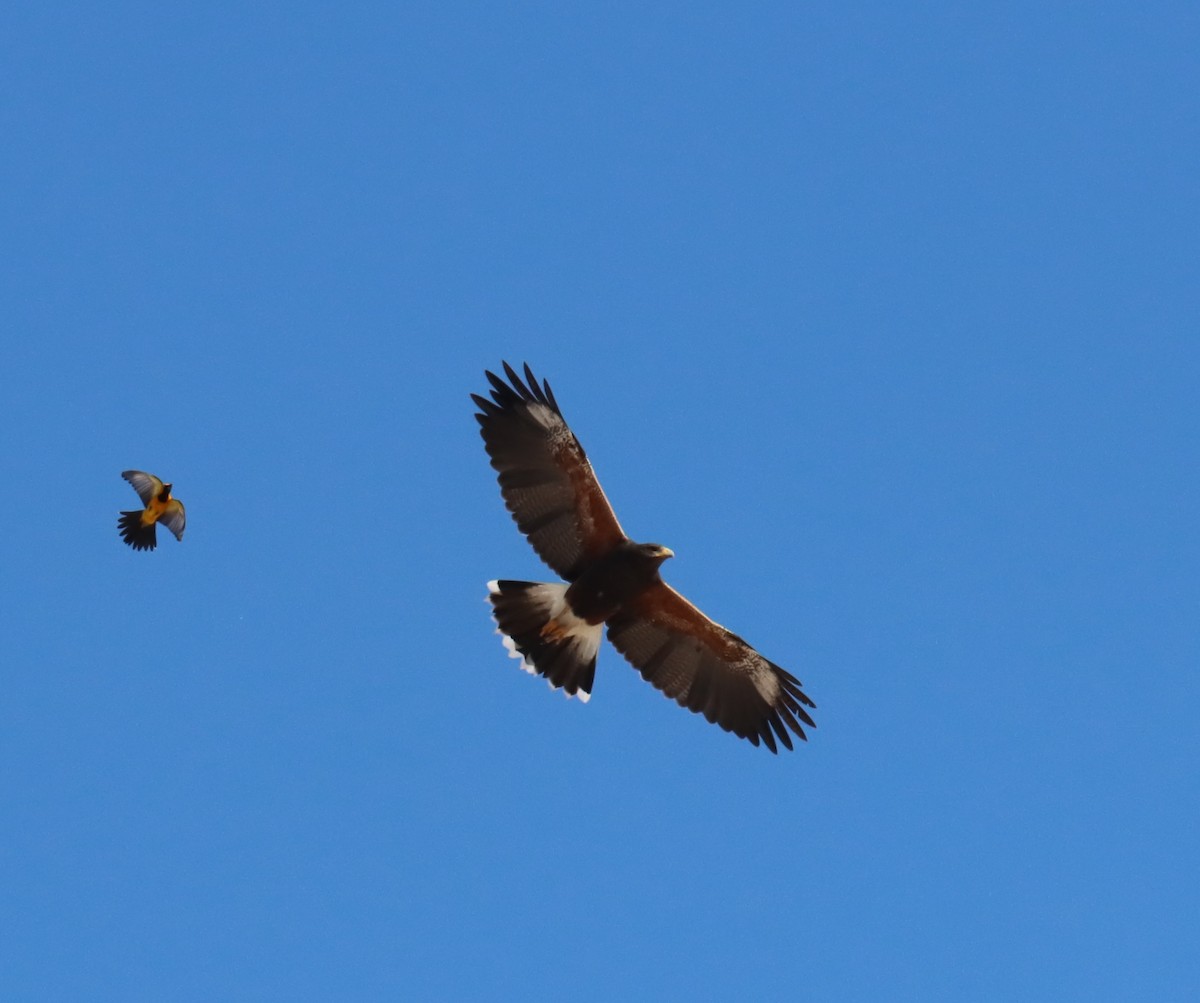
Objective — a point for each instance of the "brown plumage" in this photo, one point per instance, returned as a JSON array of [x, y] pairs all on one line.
[[137, 526], [555, 628]]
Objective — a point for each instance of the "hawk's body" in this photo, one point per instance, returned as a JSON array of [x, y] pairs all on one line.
[[555, 629], [137, 526]]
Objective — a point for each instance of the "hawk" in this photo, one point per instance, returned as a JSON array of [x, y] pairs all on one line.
[[137, 527], [611, 583]]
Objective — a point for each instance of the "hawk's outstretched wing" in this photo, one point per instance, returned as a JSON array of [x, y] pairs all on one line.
[[708, 669], [545, 477]]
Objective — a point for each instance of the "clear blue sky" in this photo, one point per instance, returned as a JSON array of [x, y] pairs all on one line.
[[883, 317]]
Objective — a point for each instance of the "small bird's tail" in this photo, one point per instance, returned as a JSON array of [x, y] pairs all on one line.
[[135, 533], [540, 629]]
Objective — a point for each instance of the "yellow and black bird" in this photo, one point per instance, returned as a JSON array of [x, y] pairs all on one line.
[[137, 527]]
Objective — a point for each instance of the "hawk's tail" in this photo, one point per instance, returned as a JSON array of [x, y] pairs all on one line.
[[540, 629], [133, 532]]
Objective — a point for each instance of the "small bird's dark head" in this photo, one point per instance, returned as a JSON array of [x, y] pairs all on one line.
[[165, 493], [656, 551]]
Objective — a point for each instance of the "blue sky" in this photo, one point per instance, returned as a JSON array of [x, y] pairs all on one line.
[[882, 317]]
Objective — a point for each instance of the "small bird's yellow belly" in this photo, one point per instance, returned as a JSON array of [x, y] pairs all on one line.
[[153, 511]]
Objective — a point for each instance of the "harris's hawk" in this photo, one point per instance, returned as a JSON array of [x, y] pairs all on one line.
[[554, 628], [137, 527]]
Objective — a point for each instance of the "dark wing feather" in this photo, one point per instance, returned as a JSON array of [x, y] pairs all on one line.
[[545, 477], [146, 485], [708, 669], [174, 517]]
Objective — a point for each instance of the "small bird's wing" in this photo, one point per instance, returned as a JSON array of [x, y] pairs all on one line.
[[708, 669], [146, 485], [174, 517], [545, 477]]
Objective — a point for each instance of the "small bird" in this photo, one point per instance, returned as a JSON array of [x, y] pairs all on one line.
[[137, 527], [611, 583]]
